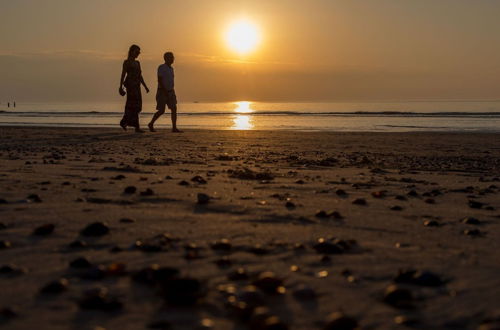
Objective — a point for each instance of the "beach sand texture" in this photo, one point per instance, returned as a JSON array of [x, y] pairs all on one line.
[[393, 230]]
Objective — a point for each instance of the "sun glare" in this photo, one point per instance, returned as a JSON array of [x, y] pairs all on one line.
[[243, 36]]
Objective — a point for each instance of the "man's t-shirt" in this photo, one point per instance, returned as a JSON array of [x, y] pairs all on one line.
[[167, 76]]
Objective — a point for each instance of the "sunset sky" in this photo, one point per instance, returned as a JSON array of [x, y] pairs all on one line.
[[316, 50]]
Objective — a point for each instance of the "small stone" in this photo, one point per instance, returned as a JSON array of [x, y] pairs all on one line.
[[269, 283], [130, 190], [34, 198], [223, 262], [55, 287], [154, 274], [404, 320], [412, 193], [198, 179], [340, 321], [321, 214], [340, 192], [162, 325], [183, 183], [471, 221], [378, 194], [304, 292], [44, 230], [421, 278], [98, 299], [396, 208], [95, 229], [182, 291], [80, 262], [77, 244], [398, 297], [239, 274], [12, 270], [222, 245], [475, 204], [147, 192], [127, 220], [430, 201], [203, 198], [431, 223], [325, 247], [5, 244], [290, 205], [401, 198], [359, 201], [472, 232]]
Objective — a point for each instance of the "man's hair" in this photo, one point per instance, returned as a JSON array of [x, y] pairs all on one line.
[[168, 54]]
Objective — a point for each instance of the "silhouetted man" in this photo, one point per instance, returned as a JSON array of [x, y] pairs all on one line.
[[165, 95]]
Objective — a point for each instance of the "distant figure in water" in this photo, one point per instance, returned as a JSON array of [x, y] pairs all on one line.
[[14, 104], [132, 79], [8, 104], [165, 95]]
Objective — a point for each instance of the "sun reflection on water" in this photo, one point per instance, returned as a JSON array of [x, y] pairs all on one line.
[[242, 122]]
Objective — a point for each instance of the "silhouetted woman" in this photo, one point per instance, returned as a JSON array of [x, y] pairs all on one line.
[[132, 79]]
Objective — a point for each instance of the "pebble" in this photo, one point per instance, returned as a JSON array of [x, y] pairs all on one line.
[[223, 262], [80, 262], [5, 244], [202, 198], [95, 229], [130, 190], [472, 232], [398, 297], [147, 192], [359, 201], [77, 244], [98, 299], [431, 223], [182, 291], [127, 220], [34, 198], [304, 292], [239, 274], [341, 192], [183, 183], [269, 283], [475, 204], [471, 221], [12, 270], [222, 245], [378, 194], [340, 321], [321, 214], [430, 201], [44, 230], [396, 208], [55, 287], [325, 247], [290, 205], [154, 274], [198, 179], [421, 278]]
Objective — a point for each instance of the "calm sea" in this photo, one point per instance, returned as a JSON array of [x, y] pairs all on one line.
[[476, 116]]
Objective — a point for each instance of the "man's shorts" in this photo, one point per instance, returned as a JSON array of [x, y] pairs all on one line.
[[165, 99]]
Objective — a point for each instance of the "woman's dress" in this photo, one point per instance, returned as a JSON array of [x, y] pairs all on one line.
[[134, 98]]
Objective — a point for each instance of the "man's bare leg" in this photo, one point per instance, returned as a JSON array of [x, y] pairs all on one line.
[[173, 115], [154, 119]]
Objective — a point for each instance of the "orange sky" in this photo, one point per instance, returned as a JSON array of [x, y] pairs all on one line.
[[313, 50]]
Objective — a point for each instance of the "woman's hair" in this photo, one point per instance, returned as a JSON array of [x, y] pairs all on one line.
[[131, 49]]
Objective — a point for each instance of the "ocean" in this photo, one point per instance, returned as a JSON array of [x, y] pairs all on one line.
[[446, 116]]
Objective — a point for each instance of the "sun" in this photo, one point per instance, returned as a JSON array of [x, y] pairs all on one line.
[[243, 36]]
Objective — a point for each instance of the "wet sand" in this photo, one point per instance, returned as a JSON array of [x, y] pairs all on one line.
[[248, 229]]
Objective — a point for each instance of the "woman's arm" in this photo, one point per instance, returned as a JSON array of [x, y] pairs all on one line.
[[122, 78], [143, 82]]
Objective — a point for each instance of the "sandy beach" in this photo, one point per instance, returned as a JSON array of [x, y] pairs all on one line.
[[105, 229]]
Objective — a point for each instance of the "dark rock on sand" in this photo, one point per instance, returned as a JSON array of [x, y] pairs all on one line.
[[304, 292], [223, 262], [99, 299], [202, 198], [472, 232], [239, 274], [95, 229], [55, 287], [269, 283], [359, 201], [5, 244], [326, 247], [130, 190], [421, 278], [431, 223], [154, 274], [44, 230], [181, 291], [398, 297], [127, 220], [147, 192], [222, 245], [80, 262], [77, 244], [340, 321], [471, 221], [198, 179], [475, 204], [12, 270], [34, 198]]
